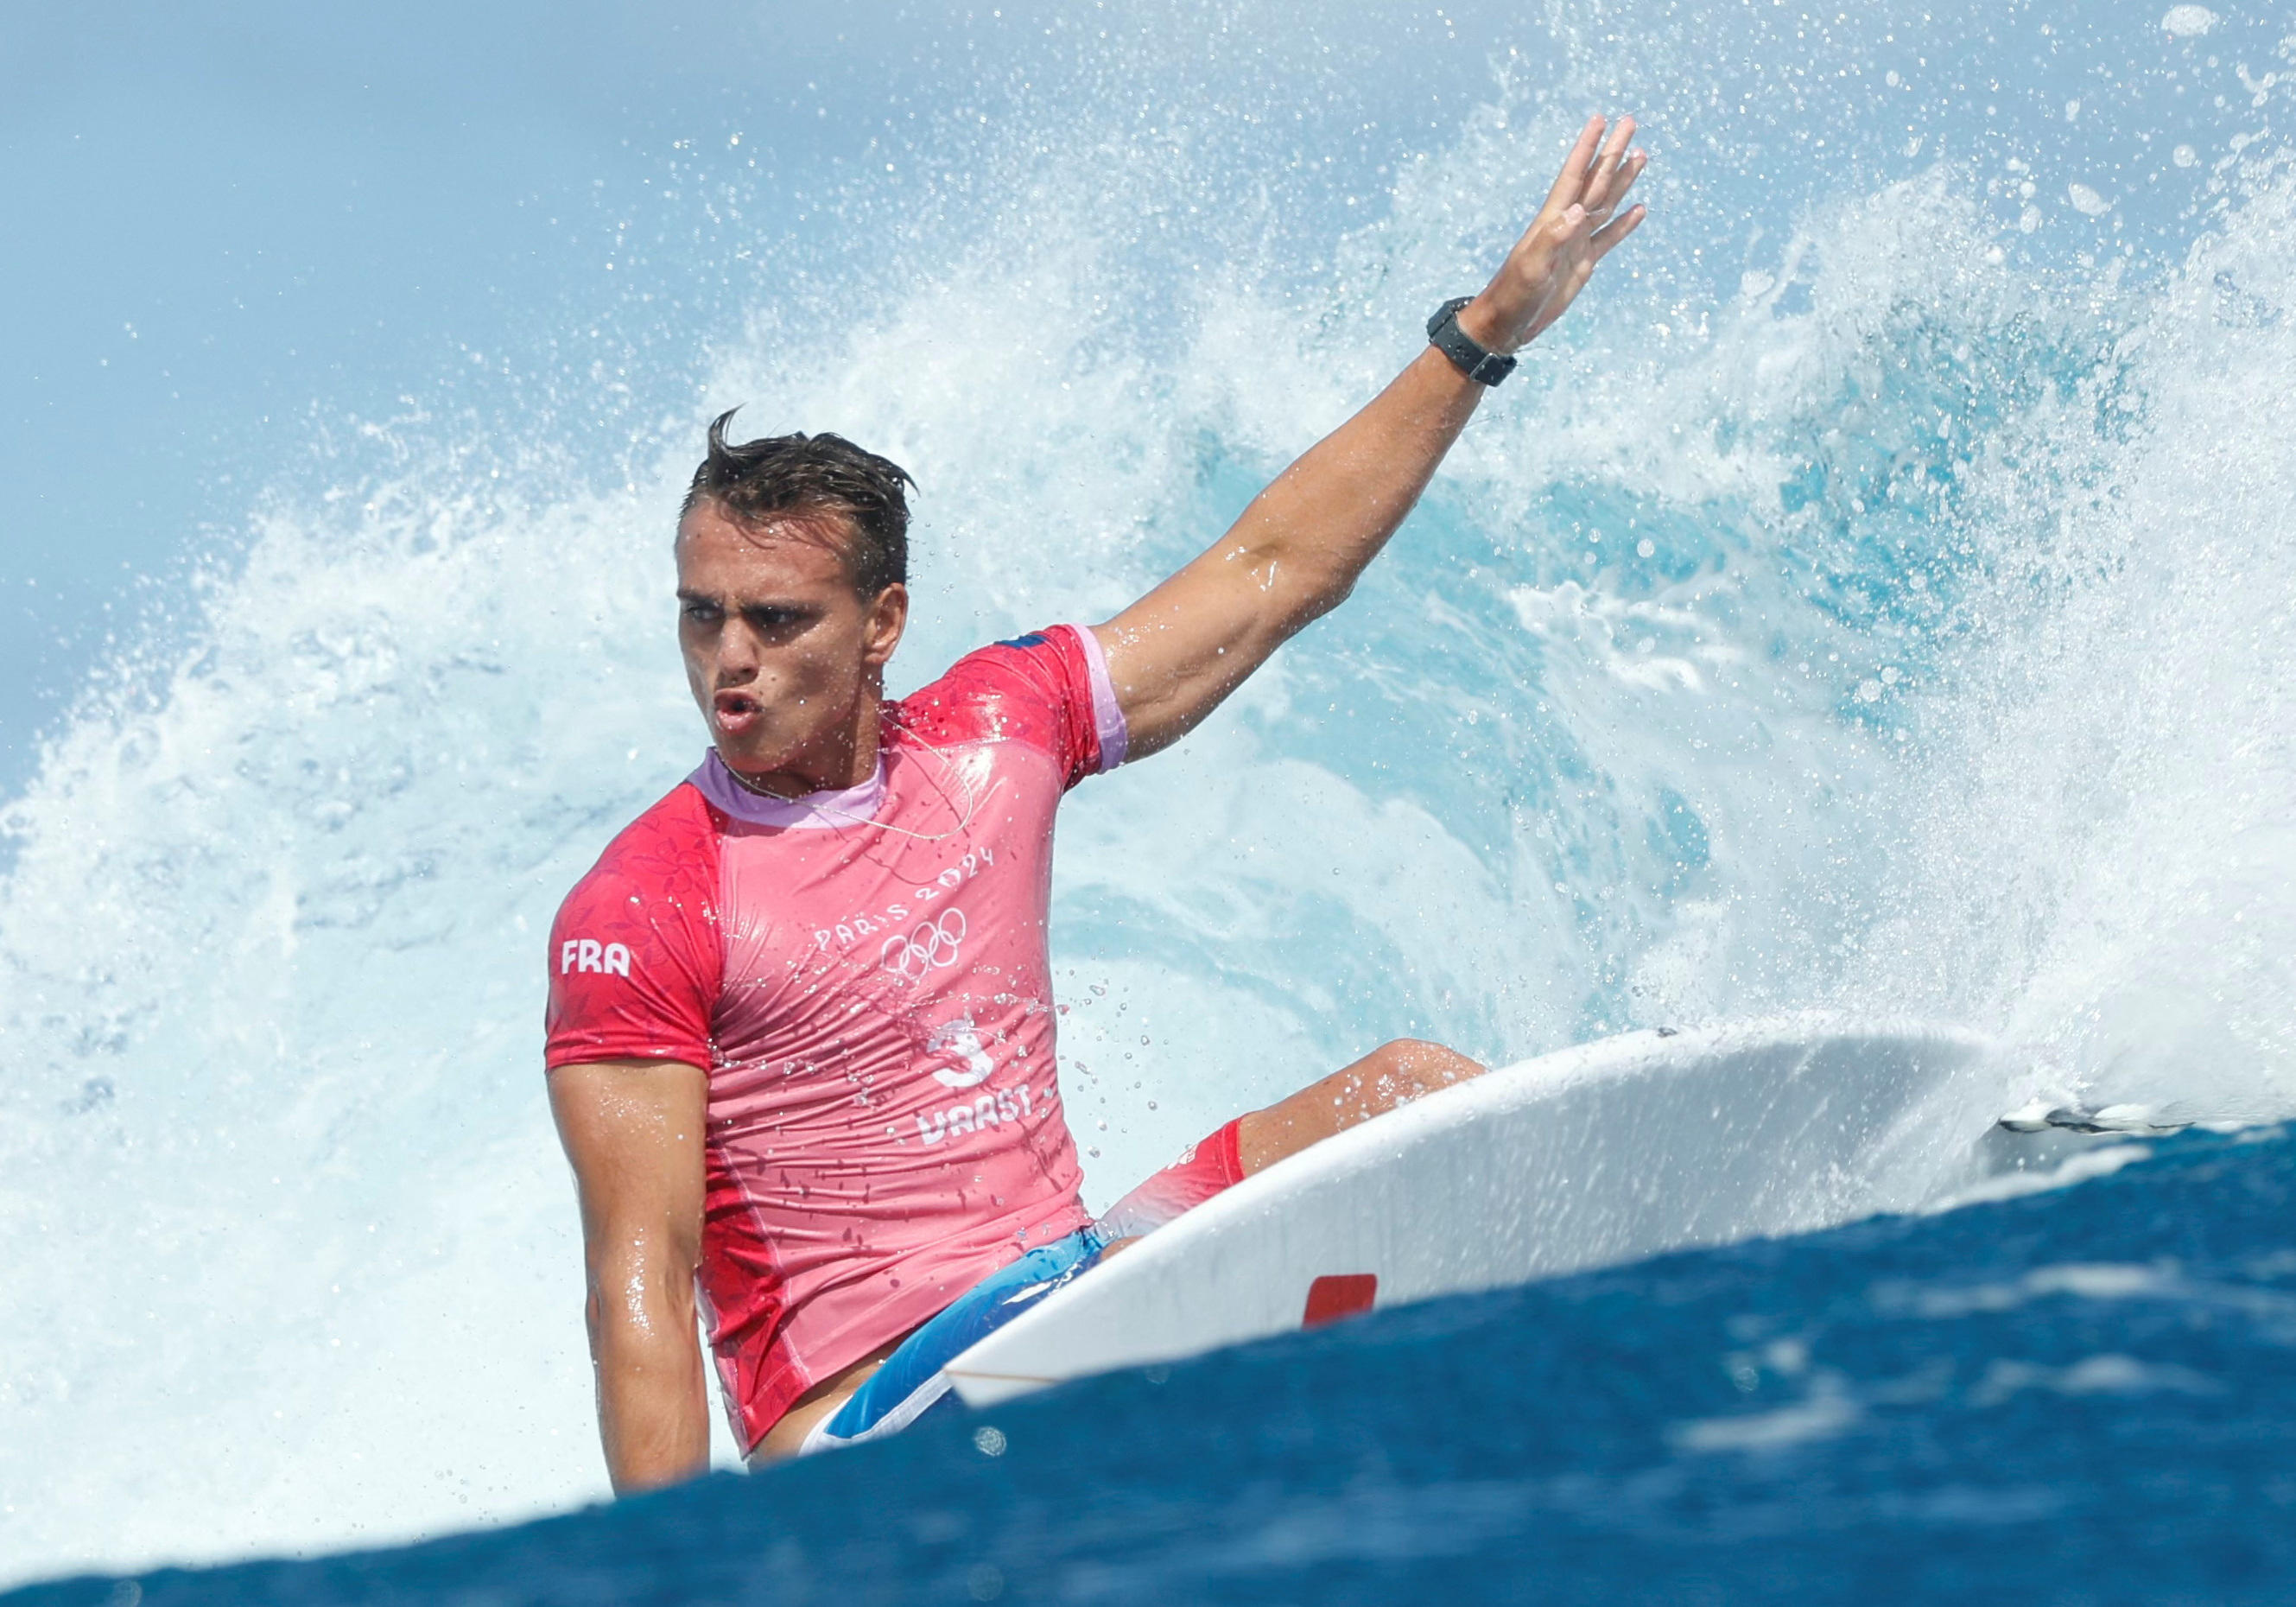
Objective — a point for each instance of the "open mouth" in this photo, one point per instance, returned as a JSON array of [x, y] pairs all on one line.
[[737, 711]]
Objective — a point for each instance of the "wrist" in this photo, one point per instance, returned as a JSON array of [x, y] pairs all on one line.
[[1458, 343], [1479, 324]]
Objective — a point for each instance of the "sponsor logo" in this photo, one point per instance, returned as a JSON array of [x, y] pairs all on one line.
[[588, 954], [978, 1116]]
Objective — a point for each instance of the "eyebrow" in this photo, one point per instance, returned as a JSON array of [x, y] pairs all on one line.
[[788, 605]]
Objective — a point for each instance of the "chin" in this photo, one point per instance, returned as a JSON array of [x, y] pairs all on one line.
[[748, 760]]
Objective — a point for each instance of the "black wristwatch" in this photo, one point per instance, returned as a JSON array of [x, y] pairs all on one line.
[[1484, 367]]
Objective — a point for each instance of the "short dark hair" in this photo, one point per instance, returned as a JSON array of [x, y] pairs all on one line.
[[813, 474]]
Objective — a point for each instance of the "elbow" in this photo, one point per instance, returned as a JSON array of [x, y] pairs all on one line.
[[1312, 602], [1338, 591], [637, 1300], [1311, 583]]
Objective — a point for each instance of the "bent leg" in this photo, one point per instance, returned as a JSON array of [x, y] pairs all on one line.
[[1391, 1075]]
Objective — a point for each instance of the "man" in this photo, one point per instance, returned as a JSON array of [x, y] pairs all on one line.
[[801, 1043]]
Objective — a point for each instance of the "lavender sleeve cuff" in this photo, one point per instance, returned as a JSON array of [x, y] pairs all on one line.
[[1107, 714]]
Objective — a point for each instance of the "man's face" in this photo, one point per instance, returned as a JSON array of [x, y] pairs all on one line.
[[783, 658]]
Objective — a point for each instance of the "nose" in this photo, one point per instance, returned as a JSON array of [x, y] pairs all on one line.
[[738, 652]]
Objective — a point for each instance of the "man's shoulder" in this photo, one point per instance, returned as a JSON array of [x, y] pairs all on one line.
[[634, 956], [1037, 688], [670, 848], [1022, 660]]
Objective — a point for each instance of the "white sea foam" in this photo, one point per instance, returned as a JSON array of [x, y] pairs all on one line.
[[2102, 865], [1828, 1412], [2107, 1375]]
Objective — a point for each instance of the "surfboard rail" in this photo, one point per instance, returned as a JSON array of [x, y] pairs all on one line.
[[1593, 1155]]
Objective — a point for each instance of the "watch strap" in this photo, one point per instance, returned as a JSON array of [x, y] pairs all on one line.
[[1479, 363]]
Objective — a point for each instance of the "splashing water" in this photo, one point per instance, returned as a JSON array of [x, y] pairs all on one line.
[[1904, 629]]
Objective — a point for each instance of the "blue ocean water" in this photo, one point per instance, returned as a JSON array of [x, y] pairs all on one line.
[[2085, 1395], [1876, 599]]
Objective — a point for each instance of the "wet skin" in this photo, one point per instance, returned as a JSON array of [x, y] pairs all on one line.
[[784, 658]]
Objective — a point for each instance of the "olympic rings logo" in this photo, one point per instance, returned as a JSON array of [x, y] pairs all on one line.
[[933, 945]]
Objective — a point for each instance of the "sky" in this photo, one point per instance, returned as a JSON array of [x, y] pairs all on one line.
[[232, 228], [239, 232], [237, 228]]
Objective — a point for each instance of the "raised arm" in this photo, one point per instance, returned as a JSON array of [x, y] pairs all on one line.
[[1297, 551], [634, 1131]]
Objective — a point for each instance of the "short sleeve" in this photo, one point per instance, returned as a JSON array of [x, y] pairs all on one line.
[[636, 959], [1050, 687]]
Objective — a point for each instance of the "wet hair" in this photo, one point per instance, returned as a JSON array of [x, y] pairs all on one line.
[[813, 474]]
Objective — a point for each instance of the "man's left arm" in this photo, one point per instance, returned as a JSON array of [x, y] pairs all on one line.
[[1295, 554]]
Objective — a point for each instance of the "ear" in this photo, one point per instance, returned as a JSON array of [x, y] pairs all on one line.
[[881, 631]]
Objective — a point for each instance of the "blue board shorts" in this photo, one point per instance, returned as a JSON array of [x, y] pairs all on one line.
[[911, 1383]]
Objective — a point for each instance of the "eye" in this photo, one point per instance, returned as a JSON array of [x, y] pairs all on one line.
[[701, 614]]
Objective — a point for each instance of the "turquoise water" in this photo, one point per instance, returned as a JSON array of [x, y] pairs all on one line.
[[1877, 599]]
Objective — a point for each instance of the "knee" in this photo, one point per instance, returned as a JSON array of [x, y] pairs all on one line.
[[1411, 1067]]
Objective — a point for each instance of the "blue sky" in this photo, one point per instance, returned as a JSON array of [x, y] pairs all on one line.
[[227, 225]]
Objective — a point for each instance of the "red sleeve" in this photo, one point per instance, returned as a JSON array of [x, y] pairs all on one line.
[[1050, 687], [636, 959]]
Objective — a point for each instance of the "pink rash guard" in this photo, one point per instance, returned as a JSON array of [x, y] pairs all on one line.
[[863, 974]]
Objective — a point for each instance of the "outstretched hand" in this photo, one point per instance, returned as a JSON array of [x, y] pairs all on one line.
[[1575, 230], [1298, 548]]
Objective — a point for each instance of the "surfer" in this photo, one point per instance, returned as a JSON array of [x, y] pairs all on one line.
[[800, 1032]]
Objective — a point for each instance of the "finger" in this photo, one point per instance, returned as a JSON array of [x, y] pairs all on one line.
[[1603, 187], [1615, 147], [1572, 182], [1628, 171], [1614, 231]]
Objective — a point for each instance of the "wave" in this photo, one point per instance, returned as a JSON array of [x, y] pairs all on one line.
[[1901, 631]]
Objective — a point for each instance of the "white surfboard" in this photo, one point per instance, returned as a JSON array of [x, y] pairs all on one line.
[[1593, 1156]]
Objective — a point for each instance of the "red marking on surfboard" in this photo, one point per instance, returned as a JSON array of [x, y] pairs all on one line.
[[1339, 1295]]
